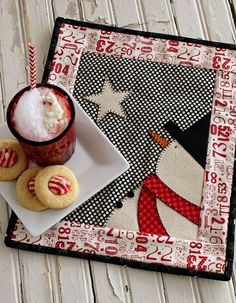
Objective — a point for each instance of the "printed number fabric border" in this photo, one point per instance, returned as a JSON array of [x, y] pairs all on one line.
[[210, 256]]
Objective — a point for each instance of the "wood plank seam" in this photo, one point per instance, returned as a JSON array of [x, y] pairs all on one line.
[[22, 288], [3, 102], [172, 18], [56, 290], [2, 91], [233, 10], [153, 20], [24, 29], [53, 10], [231, 18], [202, 19], [200, 6], [59, 280], [172, 9], [50, 13], [140, 14], [127, 290], [17, 276], [164, 288], [92, 282], [81, 10], [196, 290], [111, 12], [49, 278]]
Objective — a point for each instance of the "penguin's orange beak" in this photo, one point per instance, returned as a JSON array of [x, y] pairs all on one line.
[[160, 140]]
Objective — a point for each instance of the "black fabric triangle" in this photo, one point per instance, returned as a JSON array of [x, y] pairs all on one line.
[[194, 139]]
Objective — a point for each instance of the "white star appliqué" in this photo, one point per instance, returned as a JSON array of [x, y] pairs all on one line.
[[108, 100]]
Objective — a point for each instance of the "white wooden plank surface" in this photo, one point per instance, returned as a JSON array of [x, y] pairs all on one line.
[[67, 9], [183, 286], [9, 271], [60, 279], [13, 78], [69, 278], [2, 99], [218, 19], [158, 16], [37, 25], [190, 20], [27, 23], [12, 50], [34, 272], [97, 11], [217, 291], [75, 281], [107, 286], [2, 104], [131, 18], [146, 286]]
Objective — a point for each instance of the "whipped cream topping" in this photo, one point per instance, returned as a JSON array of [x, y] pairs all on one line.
[[53, 114], [40, 115]]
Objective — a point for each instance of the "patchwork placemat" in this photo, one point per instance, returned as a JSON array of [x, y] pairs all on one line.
[[169, 105]]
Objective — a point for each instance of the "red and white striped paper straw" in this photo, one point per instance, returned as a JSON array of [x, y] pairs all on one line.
[[32, 63]]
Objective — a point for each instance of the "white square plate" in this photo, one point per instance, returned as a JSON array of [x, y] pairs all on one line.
[[95, 163]]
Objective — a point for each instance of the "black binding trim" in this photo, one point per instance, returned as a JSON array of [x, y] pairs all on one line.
[[61, 20], [131, 263]]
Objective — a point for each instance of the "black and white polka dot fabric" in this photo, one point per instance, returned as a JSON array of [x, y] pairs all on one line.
[[157, 93]]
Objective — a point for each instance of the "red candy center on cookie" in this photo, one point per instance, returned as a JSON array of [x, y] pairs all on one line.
[[59, 185], [8, 157], [31, 185]]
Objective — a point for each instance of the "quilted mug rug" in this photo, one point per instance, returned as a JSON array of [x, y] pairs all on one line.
[[169, 105]]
